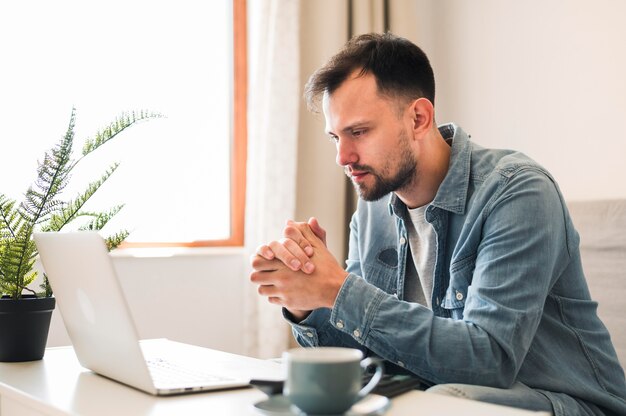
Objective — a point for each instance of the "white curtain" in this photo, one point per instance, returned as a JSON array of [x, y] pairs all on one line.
[[368, 16], [275, 28], [273, 103]]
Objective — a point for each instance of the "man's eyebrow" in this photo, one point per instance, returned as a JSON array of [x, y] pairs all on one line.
[[351, 127]]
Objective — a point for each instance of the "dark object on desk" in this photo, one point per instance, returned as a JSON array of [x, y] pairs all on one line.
[[389, 386], [393, 385], [269, 387], [24, 325]]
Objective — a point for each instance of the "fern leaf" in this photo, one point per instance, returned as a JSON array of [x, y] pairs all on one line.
[[16, 262], [121, 123], [70, 210], [52, 176], [30, 278], [45, 287], [101, 219], [115, 240], [9, 217]]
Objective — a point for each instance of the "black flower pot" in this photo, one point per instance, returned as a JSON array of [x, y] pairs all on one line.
[[24, 325]]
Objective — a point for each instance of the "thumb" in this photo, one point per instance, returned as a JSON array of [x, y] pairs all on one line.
[[317, 229]]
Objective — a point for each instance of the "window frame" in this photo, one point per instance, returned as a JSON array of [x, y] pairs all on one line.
[[238, 145]]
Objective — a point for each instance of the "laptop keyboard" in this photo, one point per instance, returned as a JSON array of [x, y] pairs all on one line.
[[167, 373]]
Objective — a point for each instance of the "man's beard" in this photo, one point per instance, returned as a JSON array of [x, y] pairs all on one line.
[[383, 185]]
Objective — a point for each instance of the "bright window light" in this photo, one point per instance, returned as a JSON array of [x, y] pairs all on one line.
[[106, 57]]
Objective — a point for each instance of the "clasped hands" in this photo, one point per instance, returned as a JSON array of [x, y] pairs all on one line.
[[298, 272]]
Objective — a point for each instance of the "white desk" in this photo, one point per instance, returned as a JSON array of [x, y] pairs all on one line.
[[58, 385]]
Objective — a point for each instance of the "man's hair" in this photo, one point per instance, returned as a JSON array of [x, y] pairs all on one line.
[[401, 69]]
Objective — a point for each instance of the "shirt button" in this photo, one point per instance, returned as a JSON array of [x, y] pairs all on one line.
[[309, 334], [459, 296], [400, 363], [339, 324], [402, 240], [356, 333]]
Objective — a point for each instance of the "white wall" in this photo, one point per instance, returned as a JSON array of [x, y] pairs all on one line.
[[542, 76]]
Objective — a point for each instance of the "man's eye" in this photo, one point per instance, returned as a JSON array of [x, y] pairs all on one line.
[[333, 139], [358, 133]]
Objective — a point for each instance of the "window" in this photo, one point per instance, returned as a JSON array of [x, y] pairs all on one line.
[[182, 177]]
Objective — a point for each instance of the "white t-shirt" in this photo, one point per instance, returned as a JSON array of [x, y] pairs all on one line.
[[418, 281]]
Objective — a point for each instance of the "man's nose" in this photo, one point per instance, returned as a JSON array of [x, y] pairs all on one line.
[[346, 153]]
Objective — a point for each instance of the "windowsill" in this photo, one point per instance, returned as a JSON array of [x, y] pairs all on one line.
[[169, 252]]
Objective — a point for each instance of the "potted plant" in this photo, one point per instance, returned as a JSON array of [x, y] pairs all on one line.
[[24, 312]]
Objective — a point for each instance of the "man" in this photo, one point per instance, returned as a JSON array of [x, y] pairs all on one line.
[[463, 266]]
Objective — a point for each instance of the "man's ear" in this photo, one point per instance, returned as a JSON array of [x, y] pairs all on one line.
[[423, 114]]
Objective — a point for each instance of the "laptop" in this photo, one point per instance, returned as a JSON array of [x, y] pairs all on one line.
[[105, 339]]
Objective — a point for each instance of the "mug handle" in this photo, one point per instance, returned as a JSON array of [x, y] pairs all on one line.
[[375, 379]]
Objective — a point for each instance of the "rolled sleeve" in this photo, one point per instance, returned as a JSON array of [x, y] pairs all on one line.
[[355, 307], [316, 330], [303, 331]]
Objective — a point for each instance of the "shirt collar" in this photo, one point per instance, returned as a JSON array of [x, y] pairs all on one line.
[[452, 193]]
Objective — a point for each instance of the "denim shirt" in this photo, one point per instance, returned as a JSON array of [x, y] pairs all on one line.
[[509, 303]]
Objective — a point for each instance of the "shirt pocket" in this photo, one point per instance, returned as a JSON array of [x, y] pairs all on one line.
[[382, 270], [461, 274]]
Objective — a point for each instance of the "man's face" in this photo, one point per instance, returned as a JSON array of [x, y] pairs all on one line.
[[372, 137]]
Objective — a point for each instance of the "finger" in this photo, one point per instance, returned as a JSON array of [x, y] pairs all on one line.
[[271, 294], [293, 232], [290, 253], [303, 262], [283, 254], [276, 278], [308, 233], [304, 229], [261, 264], [261, 278], [317, 229], [267, 290], [295, 249], [264, 251]]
